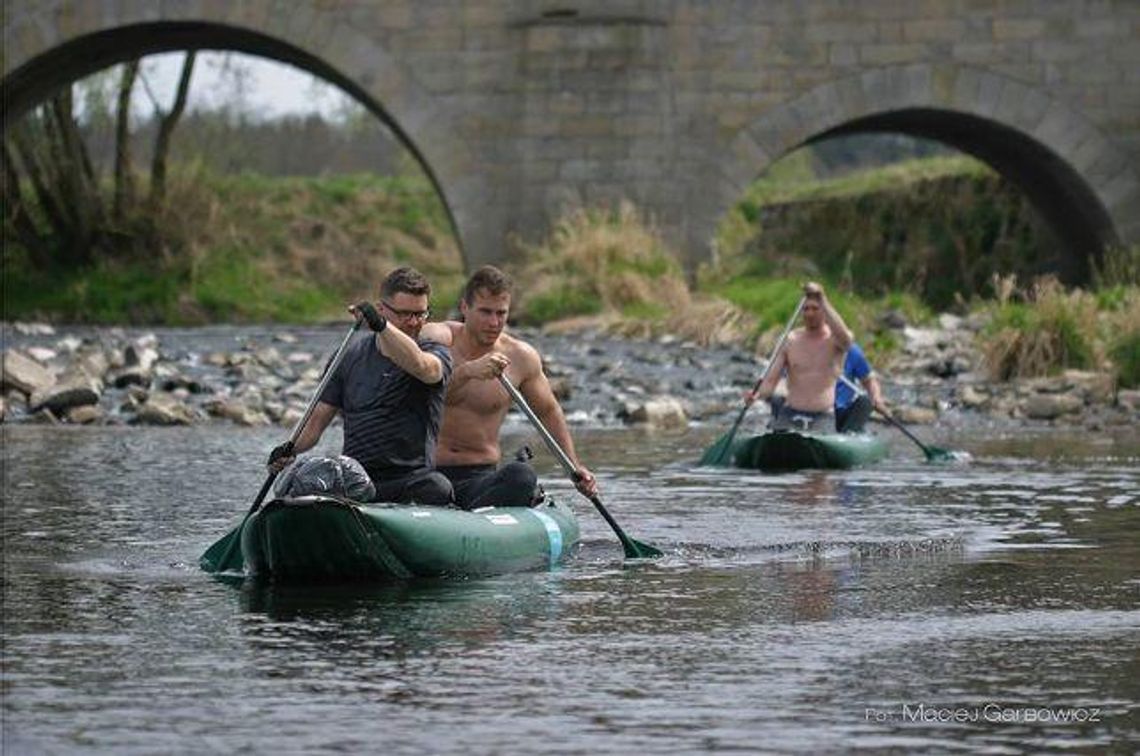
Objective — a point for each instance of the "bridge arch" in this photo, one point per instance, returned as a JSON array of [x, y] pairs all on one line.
[[354, 63], [1082, 185]]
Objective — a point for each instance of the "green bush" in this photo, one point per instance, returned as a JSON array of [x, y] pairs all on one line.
[[562, 302], [1125, 353]]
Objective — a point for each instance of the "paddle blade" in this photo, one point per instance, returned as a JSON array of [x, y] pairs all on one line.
[[935, 454], [225, 555], [719, 452], [635, 549]]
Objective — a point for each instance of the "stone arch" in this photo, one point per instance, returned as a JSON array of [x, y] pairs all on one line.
[[1082, 185], [39, 60]]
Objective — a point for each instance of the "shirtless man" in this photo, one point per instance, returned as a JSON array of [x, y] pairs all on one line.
[[813, 359], [476, 404]]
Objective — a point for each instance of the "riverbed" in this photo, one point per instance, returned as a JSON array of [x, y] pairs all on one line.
[[991, 605]]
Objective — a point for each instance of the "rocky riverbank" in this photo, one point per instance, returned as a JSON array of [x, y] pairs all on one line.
[[265, 375]]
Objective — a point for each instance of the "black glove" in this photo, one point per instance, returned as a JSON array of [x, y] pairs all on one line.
[[281, 452], [375, 320]]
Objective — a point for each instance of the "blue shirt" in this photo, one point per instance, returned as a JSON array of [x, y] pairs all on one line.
[[856, 368]]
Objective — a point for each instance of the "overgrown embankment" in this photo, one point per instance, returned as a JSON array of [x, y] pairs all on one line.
[[250, 248]]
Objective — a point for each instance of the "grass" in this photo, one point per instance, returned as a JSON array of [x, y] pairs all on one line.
[[1051, 330], [247, 247]]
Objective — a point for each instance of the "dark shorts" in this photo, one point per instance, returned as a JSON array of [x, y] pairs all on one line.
[[514, 484], [853, 418], [421, 485], [790, 418]]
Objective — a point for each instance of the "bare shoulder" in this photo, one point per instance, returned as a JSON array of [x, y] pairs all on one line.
[[521, 353], [442, 332]]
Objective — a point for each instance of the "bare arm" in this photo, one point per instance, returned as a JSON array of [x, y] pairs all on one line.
[[403, 350], [535, 388], [875, 392], [772, 378], [840, 333]]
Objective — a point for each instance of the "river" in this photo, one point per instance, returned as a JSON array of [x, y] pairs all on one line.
[[991, 606]]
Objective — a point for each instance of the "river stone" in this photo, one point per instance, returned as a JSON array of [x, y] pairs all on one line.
[[1095, 388], [164, 409], [24, 374], [1050, 406], [43, 355], [912, 415], [972, 398], [659, 412], [73, 390], [236, 411], [1129, 399], [94, 363], [85, 414]]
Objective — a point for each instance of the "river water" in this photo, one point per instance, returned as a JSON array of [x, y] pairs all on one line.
[[991, 606]]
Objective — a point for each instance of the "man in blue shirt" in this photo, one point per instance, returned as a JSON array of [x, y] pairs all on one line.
[[852, 408]]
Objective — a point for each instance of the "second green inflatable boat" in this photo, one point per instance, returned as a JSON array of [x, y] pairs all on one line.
[[328, 538], [792, 450]]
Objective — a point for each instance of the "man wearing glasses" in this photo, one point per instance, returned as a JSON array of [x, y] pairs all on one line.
[[469, 452], [390, 387]]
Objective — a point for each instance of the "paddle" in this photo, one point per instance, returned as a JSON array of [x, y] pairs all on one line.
[[933, 453], [225, 554], [715, 454], [633, 549]]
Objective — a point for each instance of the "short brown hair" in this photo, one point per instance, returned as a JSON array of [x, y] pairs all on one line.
[[407, 280], [490, 278]]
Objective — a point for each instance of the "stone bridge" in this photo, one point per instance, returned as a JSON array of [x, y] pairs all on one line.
[[519, 109]]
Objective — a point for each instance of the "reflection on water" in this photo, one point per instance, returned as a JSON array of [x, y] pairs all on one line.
[[806, 611]]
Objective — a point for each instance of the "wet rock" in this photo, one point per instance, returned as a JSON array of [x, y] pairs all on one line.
[[235, 411], [1094, 388], [130, 376], [561, 388], [1051, 406], [24, 374], [33, 329], [972, 398], [291, 416], [893, 319], [85, 414], [73, 390], [948, 367], [911, 415], [1129, 399], [42, 355], [93, 362], [658, 412], [164, 409]]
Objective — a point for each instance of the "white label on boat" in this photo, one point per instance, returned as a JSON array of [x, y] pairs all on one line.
[[503, 519], [421, 514]]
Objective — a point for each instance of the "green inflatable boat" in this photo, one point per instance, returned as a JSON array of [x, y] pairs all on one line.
[[329, 538], [792, 450]]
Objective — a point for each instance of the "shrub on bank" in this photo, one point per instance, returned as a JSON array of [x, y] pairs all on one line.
[[251, 248], [1050, 330], [598, 260]]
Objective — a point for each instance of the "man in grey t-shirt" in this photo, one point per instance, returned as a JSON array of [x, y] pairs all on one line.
[[389, 387]]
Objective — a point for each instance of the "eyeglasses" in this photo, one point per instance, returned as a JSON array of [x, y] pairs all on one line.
[[407, 314]]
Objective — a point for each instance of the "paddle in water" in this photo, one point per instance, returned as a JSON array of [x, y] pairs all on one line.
[[933, 453], [717, 454], [633, 549], [225, 555]]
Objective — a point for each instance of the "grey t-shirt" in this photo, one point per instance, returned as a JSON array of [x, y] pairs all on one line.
[[391, 419]]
